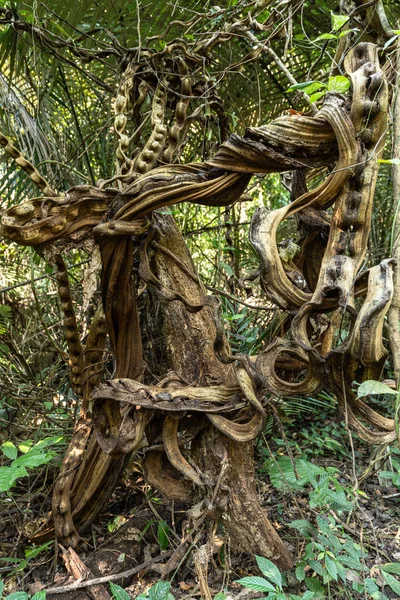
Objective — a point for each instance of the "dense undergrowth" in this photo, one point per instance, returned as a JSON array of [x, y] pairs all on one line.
[[333, 499]]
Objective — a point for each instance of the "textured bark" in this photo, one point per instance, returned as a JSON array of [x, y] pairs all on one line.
[[189, 339], [394, 311]]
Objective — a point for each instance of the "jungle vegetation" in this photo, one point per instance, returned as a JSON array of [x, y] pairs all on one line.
[[200, 297]]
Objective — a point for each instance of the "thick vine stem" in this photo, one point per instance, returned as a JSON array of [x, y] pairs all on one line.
[[394, 311], [71, 328], [175, 456], [155, 144], [27, 166], [174, 133]]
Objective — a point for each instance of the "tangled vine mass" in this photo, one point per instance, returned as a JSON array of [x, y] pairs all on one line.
[[320, 287]]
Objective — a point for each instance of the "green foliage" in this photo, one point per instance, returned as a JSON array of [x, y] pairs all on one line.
[[374, 387], [118, 592], [30, 553], [327, 492], [394, 475], [32, 455], [272, 585], [159, 591], [162, 534], [330, 553], [338, 84]]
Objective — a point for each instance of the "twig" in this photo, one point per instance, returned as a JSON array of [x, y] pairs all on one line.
[[97, 580], [236, 299]]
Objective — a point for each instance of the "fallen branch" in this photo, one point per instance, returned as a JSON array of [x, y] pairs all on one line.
[[98, 580]]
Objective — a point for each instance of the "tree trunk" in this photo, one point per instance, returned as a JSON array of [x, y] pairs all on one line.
[[189, 340]]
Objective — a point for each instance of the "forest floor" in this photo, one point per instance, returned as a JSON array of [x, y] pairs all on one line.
[[329, 498]]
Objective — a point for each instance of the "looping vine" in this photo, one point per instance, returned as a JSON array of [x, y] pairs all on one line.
[[125, 408]]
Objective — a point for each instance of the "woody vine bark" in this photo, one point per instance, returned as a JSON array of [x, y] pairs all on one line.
[[196, 424]]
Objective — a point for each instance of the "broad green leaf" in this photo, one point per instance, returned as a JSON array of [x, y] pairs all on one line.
[[25, 446], [118, 592], [392, 582], [338, 21], [338, 84], [9, 450], [159, 591], [50, 441], [386, 474], [316, 566], [39, 595], [9, 475], [258, 584], [391, 568], [371, 587], [317, 96], [374, 387], [314, 585], [283, 476], [300, 571], [219, 596], [269, 570], [303, 526], [18, 596], [34, 460]]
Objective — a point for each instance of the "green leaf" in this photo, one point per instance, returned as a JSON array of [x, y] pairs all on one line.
[[219, 596], [35, 550], [9, 450], [34, 460], [338, 84], [300, 572], [331, 567], [314, 585], [118, 592], [17, 596], [392, 582], [39, 595], [338, 21], [50, 441], [1, 587], [258, 584], [303, 526], [371, 587], [316, 566], [9, 475], [386, 474], [269, 570], [374, 387], [162, 534], [391, 568], [317, 96], [25, 446], [308, 86], [159, 591]]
